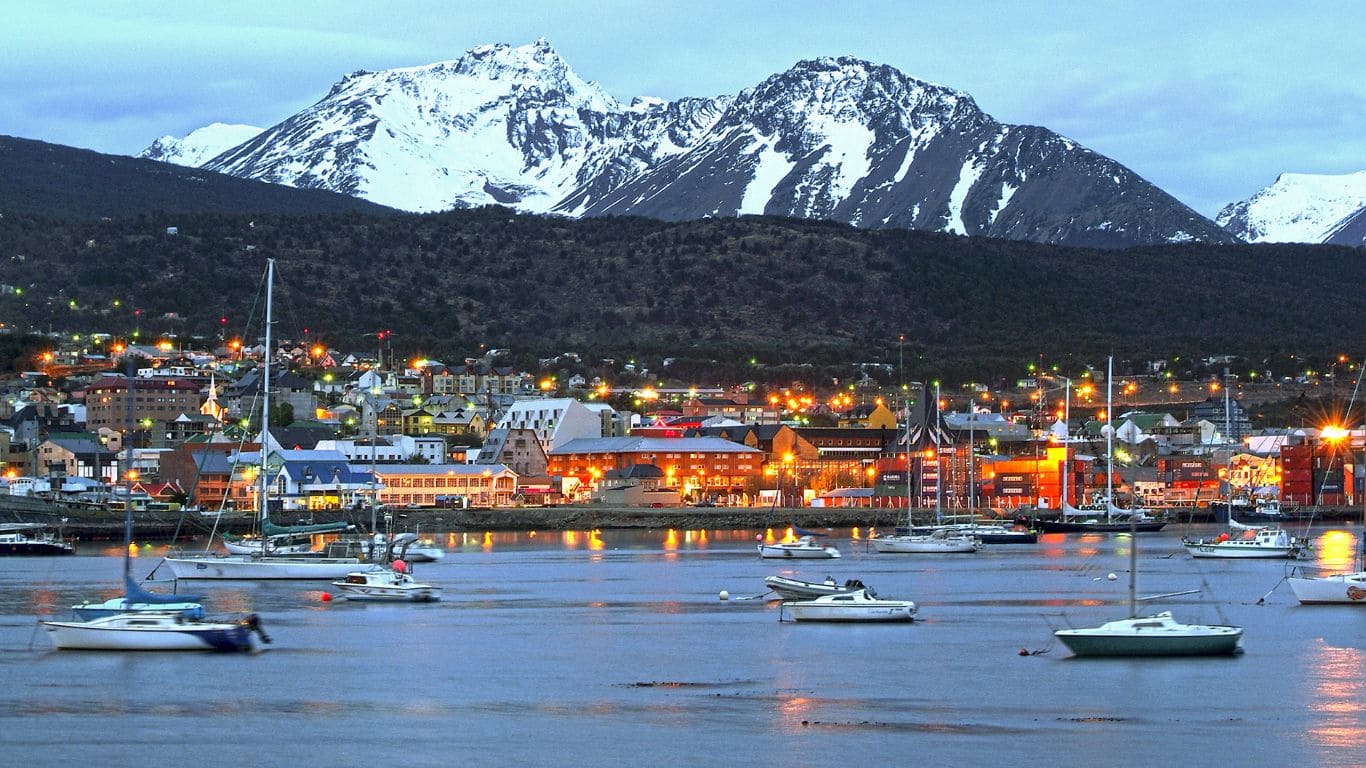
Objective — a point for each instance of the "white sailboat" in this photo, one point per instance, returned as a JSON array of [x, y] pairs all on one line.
[[1155, 635], [266, 565], [154, 631]]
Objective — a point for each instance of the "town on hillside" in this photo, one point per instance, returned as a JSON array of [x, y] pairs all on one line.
[[163, 427]]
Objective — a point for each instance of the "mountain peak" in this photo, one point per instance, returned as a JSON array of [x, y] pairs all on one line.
[[834, 137], [1296, 208]]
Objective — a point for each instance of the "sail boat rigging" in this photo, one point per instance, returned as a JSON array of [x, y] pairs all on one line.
[[1244, 541], [1155, 635], [941, 539], [1341, 588], [1111, 519], [266, 564]]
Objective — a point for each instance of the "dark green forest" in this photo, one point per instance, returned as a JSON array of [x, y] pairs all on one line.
[[725, 296]]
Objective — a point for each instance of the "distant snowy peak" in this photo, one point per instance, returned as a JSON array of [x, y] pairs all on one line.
[[200, 145], [1297, 208], [831, 138]]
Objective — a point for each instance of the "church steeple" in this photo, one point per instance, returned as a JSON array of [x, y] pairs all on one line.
[[211, 406]]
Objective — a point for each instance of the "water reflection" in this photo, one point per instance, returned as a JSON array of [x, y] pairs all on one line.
[[1335, 550], [1336, 704]]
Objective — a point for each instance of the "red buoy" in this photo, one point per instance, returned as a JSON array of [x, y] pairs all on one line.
[[326, 597]]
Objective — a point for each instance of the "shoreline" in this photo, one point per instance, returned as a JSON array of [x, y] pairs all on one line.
[[101, 524]]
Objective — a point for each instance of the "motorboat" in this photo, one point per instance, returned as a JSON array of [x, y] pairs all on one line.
[[155, 631], [939, 542], [1155, 635], [390, 585], [859, 605], [805, 547], [1252, 542], [795, 589], [32, 539]]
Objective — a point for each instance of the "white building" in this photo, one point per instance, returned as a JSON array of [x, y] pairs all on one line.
[[555, 421]]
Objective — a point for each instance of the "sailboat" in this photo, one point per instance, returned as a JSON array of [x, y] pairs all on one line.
[[1106, 517], [267, 564], [135, 599], [1155, 635], [148, 621], [938, 540]]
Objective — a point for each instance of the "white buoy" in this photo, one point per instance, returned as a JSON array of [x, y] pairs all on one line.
[[724, 595], [1110, 577]]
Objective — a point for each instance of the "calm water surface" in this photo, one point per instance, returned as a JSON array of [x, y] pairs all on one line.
[[614, 649]]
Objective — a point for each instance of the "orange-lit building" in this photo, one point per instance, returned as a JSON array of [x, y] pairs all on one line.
[[693, 464]]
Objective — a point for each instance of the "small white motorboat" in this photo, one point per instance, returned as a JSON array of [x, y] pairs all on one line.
[[806, 547], [155, 631], [795, 589], [390, 585], [859, 605], [1156, 635]]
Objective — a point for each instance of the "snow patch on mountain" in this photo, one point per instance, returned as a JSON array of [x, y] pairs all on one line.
[[1297, 208], [200, 145]]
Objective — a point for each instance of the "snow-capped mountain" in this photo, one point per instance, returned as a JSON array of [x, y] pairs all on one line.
[[830, 138], [1298, 208], [200, 145]]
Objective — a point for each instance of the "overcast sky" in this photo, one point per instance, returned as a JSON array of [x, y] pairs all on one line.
[[1209, 100]]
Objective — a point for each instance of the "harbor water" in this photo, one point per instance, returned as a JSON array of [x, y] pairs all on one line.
[[613, 648]]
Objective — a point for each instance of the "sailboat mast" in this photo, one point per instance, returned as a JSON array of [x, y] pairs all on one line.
[[938, 465], [264, 509], [908, 460], [128, 472], [1228, 444], [1109, 439], [1066, 446]]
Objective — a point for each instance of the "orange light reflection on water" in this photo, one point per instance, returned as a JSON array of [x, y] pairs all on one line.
[[1336, 550], [1337, 701]]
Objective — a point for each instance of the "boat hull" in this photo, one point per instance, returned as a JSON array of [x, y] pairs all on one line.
[[793, 589], [422, 593], [1156, 635], [857, 606], [925, 545], [35, 548], [1229, 551], [1082, 526], [1341, 589], [248, 568], [131, 632], [800, 612], [803, 549]]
